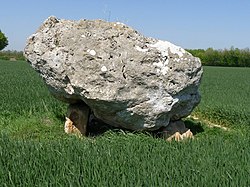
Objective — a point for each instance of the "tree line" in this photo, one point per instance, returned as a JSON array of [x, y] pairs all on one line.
[[11, 55], [226, 57]]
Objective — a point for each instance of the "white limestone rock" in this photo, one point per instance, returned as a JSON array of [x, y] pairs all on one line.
[[128, 80]]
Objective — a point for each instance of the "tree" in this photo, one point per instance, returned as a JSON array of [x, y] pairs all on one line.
[[226, 57], [3, 41]]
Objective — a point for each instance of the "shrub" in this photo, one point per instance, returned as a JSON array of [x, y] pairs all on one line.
[[226, 57], [3, 41]]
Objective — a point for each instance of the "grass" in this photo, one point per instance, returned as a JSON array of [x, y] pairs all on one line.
[[26, 106], [34, 151], [225, 96], [117, 159]]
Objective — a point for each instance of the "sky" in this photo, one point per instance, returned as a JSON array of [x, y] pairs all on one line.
[[191, 24]]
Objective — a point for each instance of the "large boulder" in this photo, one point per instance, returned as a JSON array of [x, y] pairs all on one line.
[[128, 80]]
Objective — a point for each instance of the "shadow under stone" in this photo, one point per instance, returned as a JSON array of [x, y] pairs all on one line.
[[195, 127], [97, 127]]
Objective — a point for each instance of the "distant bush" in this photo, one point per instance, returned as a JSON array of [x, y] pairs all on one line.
[[11, 55], [226, 57], [3, 40]]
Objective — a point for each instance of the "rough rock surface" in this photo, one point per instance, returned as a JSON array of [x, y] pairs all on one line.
[[128, 80]]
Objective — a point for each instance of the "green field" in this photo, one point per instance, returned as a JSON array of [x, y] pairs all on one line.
[[225, 96], [34, 151]]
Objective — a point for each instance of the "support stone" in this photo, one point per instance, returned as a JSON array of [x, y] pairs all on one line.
[[176, 130], [77, 118]]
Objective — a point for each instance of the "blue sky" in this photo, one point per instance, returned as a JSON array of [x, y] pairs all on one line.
[[188, 23]]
